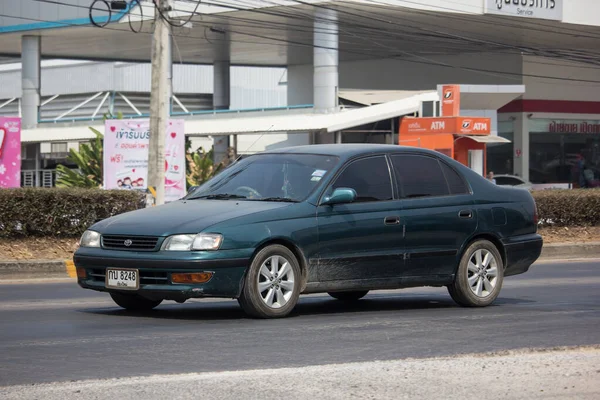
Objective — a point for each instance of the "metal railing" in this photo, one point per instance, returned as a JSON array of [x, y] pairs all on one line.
[[54, 109], [45, 178]]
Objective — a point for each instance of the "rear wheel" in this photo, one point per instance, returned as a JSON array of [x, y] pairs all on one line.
[[349, 296], [479, 276], [272, 284], [134, 302]]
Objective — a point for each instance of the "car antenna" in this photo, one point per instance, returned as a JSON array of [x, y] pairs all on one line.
[[260, 137]]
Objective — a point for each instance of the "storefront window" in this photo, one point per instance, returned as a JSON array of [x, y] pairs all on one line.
[[500, 155], [564, 151]]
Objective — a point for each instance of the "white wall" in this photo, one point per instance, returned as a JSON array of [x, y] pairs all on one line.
[[552, 89], [584, 12], [395, 74]]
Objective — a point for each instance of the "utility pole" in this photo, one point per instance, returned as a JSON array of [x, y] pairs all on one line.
[[159, 101]]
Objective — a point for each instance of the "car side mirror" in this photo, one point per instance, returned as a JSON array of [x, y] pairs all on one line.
[[340, 196]]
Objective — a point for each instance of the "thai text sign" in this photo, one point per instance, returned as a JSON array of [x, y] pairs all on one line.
[[126, 146]]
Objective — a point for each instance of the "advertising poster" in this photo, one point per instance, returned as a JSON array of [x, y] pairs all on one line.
[[10, 152], [126, 145]]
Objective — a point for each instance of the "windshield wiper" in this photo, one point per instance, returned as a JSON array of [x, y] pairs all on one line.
[[219, 196], [282, 199]]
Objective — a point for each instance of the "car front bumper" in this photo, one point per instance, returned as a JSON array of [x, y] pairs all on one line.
[[155, 269]]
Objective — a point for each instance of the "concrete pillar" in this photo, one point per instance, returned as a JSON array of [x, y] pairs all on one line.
[[325, 66], [170, 73], [521, 146], [221, 88], [31, 57]]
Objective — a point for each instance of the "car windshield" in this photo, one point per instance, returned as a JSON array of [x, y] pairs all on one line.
[[268, 177]]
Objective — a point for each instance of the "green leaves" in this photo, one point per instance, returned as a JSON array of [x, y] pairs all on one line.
[[61, 212], [200, 167], [89, 165]]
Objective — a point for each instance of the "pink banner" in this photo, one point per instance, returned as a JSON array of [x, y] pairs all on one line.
[[10, 152], [126, 156]]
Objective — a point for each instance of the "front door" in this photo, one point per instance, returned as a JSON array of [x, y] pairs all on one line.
[[362, 240], [437, 208]]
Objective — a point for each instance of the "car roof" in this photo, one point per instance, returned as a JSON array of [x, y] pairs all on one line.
[[347, 150]]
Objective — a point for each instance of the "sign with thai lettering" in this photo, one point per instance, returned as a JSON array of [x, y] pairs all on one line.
[[10, 152], [126, 145], [565, 126], [541, 9]]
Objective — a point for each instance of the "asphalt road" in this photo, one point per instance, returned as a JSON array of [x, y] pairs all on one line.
[[59, 332]]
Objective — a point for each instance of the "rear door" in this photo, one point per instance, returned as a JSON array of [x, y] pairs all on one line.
[[437, 208], [362, 240]]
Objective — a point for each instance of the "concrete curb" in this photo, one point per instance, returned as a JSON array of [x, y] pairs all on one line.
[[36, 269], [41, 269], [570, 250]]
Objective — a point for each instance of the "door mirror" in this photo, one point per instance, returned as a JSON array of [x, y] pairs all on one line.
[[340, 196]]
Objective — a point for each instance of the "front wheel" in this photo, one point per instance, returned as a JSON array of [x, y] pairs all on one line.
[[349, 296], [272, 284], [479, 276], [134, 302]]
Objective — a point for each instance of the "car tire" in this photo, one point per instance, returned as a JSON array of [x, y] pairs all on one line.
[[134, 302], [272, 284], [479, 276], [349, 296]]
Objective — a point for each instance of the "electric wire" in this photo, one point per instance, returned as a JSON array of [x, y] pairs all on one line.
[[371, 54]]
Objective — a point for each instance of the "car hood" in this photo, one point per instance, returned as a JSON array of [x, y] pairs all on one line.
[[184, 216]]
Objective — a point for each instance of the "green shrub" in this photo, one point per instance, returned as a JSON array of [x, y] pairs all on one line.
[[576, 207], [61, 212]]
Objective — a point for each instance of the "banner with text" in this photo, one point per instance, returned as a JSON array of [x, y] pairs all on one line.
[[10, 152], [540, 9], [126, 144]]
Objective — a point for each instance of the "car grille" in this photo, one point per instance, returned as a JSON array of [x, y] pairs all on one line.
[[146, 277], [122, 242]]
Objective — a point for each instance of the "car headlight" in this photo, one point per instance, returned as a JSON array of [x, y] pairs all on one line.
[[201, 241], [90, 239]]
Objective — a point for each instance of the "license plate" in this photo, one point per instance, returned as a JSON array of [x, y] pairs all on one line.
[[128, 279]]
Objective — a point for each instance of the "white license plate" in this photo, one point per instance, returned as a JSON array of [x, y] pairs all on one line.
[[128, 279]]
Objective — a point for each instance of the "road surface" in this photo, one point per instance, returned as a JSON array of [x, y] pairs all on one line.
[[58, 332]]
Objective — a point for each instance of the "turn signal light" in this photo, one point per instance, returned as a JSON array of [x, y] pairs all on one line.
[[196, 277], [81, 273]]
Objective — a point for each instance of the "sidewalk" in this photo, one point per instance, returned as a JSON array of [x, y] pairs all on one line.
[[53, 269]]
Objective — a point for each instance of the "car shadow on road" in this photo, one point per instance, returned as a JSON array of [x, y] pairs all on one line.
[[308, 306]]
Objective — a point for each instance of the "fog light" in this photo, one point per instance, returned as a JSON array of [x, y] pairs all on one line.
[[81, 273], [195, 277]]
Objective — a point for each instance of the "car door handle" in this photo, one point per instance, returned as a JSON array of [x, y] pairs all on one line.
[[393, 220], [465, 214]]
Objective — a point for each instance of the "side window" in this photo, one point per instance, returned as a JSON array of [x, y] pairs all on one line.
[[370, 178], [419, 176], [456, 183]]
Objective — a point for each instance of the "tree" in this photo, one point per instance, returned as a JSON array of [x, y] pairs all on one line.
[[201, 167], [89, 161], [89, 165]]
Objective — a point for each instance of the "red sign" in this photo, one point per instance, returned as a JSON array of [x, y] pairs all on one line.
[[450, 100], [573, 127]]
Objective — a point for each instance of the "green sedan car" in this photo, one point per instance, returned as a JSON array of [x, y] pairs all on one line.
[[341, 219]]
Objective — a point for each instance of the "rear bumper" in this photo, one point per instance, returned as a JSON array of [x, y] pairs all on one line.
[[155, 276], [521, 253]]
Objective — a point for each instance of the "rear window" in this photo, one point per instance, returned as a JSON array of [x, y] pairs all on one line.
[[419, 176]]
